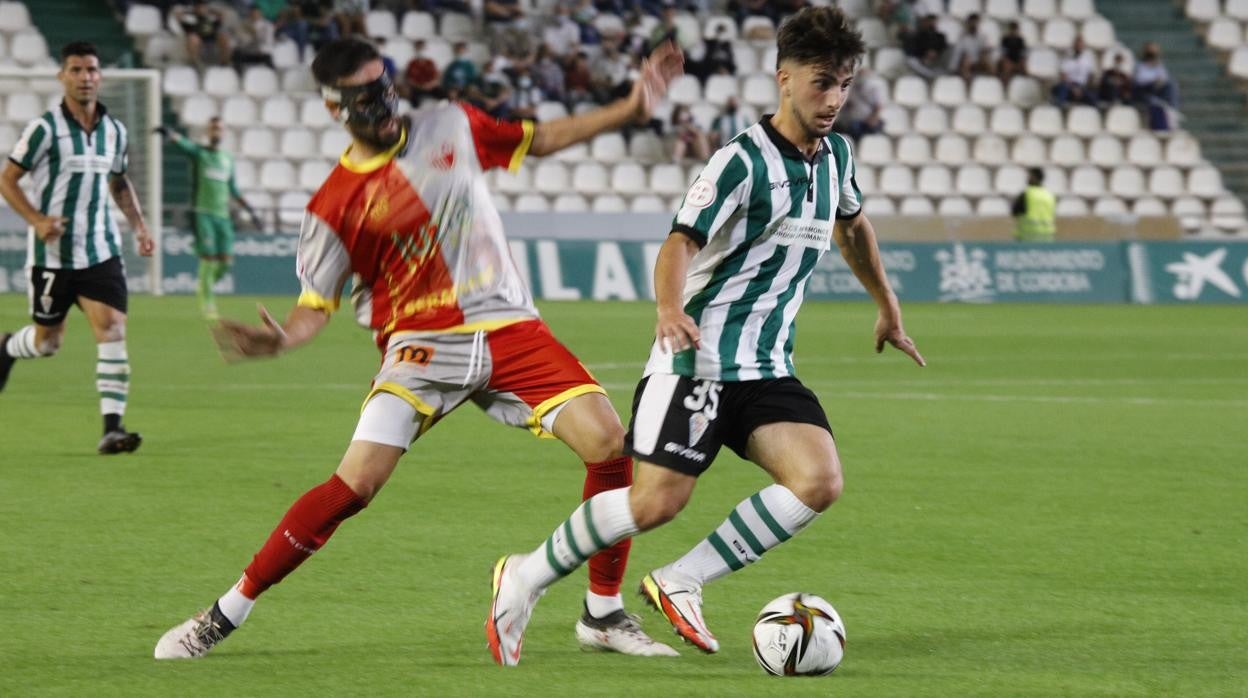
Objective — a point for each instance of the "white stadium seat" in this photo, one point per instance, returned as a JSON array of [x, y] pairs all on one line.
[[1204, 181], [949, 91], [313, 114], [719, 88], [198, 109], [1059, 33], [1238, 65], [1025, 91], [1055, 180], [1122, 120], [685, 89], [962, 8], [277, 175], [516, 182], [550, 177], [1083, 120], [608, 147], [1105, 151], [238, 111], [931, 120], [864, 175], [648, 203], [1144, 149], [986, 91], [759, 90], [874, 32], [456, 27], [1077, 9], [889, 62], [1029, 150], [1010, 180], [502, 202], [974, 180], [313, 173], [1183, 149], [1203, 10], [955, 206], [259, 143], [570, 203], [380, 24], [180, 81], [531, 203], [285, 54], [1224, 34], [220, 81], [609, 203], [628, 178], [291, 206], [645, 146], [260, 81], [1189, 210], [745, 57], [952, 149], [1237, 9], [1071, 206], [278, 112], [916, 206], [993, 206], [245, 173], [896, 180], [1045, 120], [549, 111], [1067, 150], [1165, 182], [298, 144], [592, 178], [668, 179], [1040, 9], [913, 150], [1107, 206], [418, 25], [935, 180], [1007, 120], [1126, 181], [1098, 33], [1002, 10], [875, 149], [720, 24], [1149, 206], [334, 143], [896, 119], [29, 48], [142, 20], [8, 137], [991, 149], [14, 17], [910, 91], [298, 79], [22, 107], [1087, 181], [969, 120], [399, 50], [1043, 62], [876, 206], [573, 154]]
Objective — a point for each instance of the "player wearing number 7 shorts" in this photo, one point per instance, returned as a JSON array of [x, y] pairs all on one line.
[[408, 217]]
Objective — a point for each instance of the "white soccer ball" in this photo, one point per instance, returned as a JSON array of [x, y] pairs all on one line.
[[799, 635]]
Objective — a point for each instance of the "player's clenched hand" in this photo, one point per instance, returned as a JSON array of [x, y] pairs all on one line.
[[676, 331], [888, 329], [658, 70], [49, 228], [237, 341]]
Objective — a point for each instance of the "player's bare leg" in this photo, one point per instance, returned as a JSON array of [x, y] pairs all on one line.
[[112, 374], [589, 425]]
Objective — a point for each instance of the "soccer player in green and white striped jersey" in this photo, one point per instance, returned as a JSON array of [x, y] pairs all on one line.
[[729, 281], [76, 153]]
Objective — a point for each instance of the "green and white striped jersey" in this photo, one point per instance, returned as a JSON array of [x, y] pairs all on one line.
[[763, 213], [70, 168]]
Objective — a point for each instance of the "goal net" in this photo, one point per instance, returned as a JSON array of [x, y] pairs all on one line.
[[133, 97]]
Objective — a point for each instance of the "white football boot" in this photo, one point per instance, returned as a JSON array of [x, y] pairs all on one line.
[[509, 611], [679, 599], [192, 638], [620, 632]]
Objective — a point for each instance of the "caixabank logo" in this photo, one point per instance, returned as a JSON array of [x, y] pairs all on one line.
[[1197, 275]]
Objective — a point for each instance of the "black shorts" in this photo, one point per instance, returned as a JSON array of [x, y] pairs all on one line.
[[53, 291], [680, 423]]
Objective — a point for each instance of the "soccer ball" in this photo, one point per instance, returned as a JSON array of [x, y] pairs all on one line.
[[799, 635]]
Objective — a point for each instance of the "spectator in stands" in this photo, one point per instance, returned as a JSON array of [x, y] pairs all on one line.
[[1035, 210], [421, 80], [548, 74], [926, 49], [742, 9], [440, 7], [525, 94], [727, 124], [255, 41], [1013, 59], [498, 12], [901, 16], [971, 54], [668, 29], [349, 14], [609, 72], [562, 34], [1151, 82], [293, 25], [863, 110], [271, 9], [206, 38], [578, 81], [717, 57], [1115, 87], [688, 139], [1077, 79], [460, 73]]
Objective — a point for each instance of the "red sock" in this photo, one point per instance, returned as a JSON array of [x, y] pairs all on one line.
[[606, 569], [308, 523]]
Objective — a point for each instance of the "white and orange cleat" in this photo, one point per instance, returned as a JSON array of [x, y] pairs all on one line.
[[510, 611], [680, 601]]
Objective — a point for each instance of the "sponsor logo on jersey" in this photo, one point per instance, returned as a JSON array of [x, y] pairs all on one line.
[[701, 194], [803, 233], [444, 159], [421, 356]]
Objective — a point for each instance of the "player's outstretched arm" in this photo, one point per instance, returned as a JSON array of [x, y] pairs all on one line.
[[856, 239], [657, 72], [237, 341]]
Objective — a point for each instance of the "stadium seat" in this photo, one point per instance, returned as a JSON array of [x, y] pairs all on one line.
[[1098, 34], [717, 25], [286, 54], [1107, 206], [1182, 149], [1007, 120], [759, 91], [1067, 150], [1229, 209], [1001, 10], [198, 109], [573, 154], [502, 202], [609, 24], [1072, 206], [592, 178], [298, 80], [8, 137], [418, 25], [1045, 120], [290, 208], [1025, 91], [910, 91], [753, 25], [648, 203], [313, 114], [570, 203], [1010, 180], [949, 91], [991, 149], [549, 111], [1144, 149], [608, 203], [969, 120], [745, 58], [974, 180], [1165, 182], [935, 180], [1029, 150], [245, 173], [855, 9], [260, 143], [1237, 9], [1126, 181], [962, 8], [896, 120], [550, 177], [913, 150], [1078, 9], [719, 88], [955, 206], [1087, 181], [4, 49], [916, 206], [668, 179], [1055, 180], [986, 91], [896, 180], [14, 17], [440, 52], [334, 143], [1204, 181], [399, 50], [1040, 9], [951, 27], [1059, 33], [685, 90], [313, 173], [703, 115], [298, 144], [1122, 120], [1203, 10], [456, 27], [608, 148], [889, 62], [874, 33], [238, 111], [277, 175], [220, 81], [628, 178], [142, 20], [516, 182], [29, 48], [646, 147], [864, 175], [1189, 210], [875, 149], [1224, 34], [931, 120], [1043, 62], [952, 149], [993, 206], [876, 206], [1083, 120], [1149, 206], [23, 107], [1105, 151], [278, 112], [380, 24], [260, 81], [531, 203]]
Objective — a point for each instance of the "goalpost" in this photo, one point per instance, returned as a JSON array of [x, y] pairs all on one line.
[[133, 96]]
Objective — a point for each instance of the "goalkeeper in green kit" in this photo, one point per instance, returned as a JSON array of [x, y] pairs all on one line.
[[213, 188]]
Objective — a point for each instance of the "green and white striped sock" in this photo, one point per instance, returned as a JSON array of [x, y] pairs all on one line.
[[112, 377], [600, 522], [758, 524]]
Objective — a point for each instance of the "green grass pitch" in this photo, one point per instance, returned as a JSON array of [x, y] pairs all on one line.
[[1057, 505]]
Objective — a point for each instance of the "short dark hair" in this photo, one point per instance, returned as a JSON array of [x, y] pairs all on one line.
[[340, 58], [78, 48], [819, 36], [1035, 175]]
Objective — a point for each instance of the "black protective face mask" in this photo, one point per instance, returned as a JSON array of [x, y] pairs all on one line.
[[365, 105]]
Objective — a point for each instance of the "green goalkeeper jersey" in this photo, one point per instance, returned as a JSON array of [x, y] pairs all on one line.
[[212, 176]]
